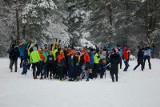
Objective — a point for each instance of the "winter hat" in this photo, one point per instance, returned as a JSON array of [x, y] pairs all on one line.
[[34, 48]]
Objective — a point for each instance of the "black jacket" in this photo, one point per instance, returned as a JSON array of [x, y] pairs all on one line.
[[114, 60], [140, 55], [14, 53], [50, 59]]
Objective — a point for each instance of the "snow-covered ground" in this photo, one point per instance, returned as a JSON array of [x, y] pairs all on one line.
[[134, 89]]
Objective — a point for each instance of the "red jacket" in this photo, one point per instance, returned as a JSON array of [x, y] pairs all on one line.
[[41, 56], [60, 57], [86, 58], [125, 54]]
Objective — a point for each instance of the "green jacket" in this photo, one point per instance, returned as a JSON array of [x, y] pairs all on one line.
[[96, 58], [45, 55], [34, 57]]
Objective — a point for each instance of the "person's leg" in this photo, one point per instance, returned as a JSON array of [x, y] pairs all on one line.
[[47, 71], [96, 70], [11, 64], [51, 71], [116, 74], [70, 71], [82, 74], [61, 73], [42, 69], [121, 63], [112, 76], [90, 72], [149, 62], [126, 65], [87, 75], [15, 62], [136, 66], [34, 70], [144, 62], [101, 73], [141, 65], [21, 61], [38, 69]]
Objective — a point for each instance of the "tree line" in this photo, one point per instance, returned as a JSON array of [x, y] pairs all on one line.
[[104, 22]]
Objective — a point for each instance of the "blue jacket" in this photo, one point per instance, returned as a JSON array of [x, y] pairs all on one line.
[[91, 54], [147, 52], [120, 52], [21, 50]]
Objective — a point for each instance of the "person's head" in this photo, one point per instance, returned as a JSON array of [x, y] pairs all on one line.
[[113, 51], [13, 46], [34, 48], [83, 52], [61, 52], [118, 45], [50, 52], [97, 51], [78, 53]]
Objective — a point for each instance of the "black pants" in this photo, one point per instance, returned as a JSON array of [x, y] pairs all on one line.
[[121, 63], [49, 70], [147, 58], [41, 68], [36, 69], [55, 70], [21, 63], [102, 72], [139, 63], [75, 72], [60, 72], [13, 62], [112, 76], [95, 70]]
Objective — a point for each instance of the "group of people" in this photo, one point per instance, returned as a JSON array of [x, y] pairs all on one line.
[[58, 62]]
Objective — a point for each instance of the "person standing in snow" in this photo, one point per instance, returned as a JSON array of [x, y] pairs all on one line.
[[140, 57], [114, 60], [86, 62], [13, 56], [25, 62], [61, 64], [91, 63], [147, 56], [96, 63], [50, 65], [126, 58], [120, 53], [76, 65], [35, 61], [43, 58], [102, 63], [21, 48], [70, 64]]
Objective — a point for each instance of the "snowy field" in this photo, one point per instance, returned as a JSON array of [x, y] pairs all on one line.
[[134, 89]]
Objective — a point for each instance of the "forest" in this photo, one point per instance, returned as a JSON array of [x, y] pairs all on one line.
[[102, 22]]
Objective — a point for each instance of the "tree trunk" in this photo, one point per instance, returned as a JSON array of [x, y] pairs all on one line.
[[110, 20], [17, 19]]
